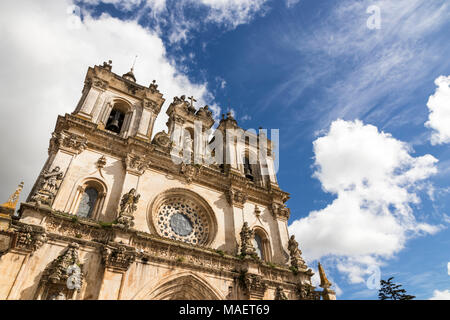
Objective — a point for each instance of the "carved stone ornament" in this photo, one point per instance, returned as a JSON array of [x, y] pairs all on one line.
[[48, 185], [280, 211], [118, 256], [63, 276], [68, 141], [178, 100], [254, 286], [153, 87], [149, 104], [306, 292], [100, 84], [204, 112], [128, 206], [279, 294], [247, 248], [101, 162], [135, 164], [162, 140], [236, 197], [6, 239], [295, 254], [107, 65], [189, 171], [30, 240]]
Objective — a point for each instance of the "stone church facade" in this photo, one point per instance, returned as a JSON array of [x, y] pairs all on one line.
[[112, 216]]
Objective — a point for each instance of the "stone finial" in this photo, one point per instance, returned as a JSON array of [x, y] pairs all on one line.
[[107, 65], [12, 201], [327, 293], [324, 283]]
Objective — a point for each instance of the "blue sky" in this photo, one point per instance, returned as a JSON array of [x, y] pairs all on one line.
[[369, 181]]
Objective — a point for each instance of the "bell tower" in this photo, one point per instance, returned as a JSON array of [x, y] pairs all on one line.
[[118, 104]]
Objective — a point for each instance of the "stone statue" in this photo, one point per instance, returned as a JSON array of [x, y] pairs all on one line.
[[295, 254], [247, 235], [128, 204]]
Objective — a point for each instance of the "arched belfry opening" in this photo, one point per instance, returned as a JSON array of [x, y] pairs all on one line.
[[119, 116], [115, 120]]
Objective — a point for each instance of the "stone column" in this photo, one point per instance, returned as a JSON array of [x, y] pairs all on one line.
[[236, 199], [117, 260], [92, 99]]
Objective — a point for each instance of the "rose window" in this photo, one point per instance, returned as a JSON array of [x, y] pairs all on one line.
[[183, 220]]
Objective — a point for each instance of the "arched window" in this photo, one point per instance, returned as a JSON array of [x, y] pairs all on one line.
[[88, 199], [261, 244], [87, 202], [115, 121], [257, 243]]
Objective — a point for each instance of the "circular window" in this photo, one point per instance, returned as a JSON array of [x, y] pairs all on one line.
[[182, 218], [181, 224]]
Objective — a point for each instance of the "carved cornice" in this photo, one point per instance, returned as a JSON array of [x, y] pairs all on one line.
[[236, 197], [254, 286], [29, 238], [68, 142]]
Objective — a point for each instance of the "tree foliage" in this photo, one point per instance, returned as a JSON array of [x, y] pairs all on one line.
[[392, 291]]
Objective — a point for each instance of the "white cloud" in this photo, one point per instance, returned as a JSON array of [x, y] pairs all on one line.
[[179, 16], [291, 3], [440, 295], [44, 58], [439, 108], [374, 178]]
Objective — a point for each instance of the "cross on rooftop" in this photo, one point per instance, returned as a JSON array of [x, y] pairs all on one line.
[[192, 100]]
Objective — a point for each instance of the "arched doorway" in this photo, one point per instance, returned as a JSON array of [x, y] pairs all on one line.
[[185, 286]]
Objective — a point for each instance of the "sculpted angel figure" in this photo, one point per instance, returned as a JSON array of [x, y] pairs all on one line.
[[129, 202], [295, 253]]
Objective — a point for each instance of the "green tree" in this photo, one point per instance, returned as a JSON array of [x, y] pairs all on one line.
[[392, 291]]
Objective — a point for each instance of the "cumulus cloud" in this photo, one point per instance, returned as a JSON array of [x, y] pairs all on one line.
[[46, 50], [374, 178], [440, 295], [439, 108]]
